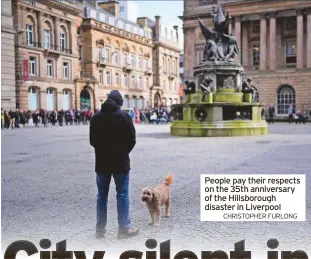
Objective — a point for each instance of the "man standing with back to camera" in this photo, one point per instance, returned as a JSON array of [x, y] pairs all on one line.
[[113, 136]]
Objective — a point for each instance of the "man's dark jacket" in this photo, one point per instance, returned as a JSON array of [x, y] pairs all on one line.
[[113, 136]]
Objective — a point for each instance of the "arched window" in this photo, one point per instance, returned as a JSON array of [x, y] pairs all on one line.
[[66, 99], [47, 35], [30, 31], [133, 82], [33, 98], [285, 96], [140, 82], [50, 99], [62, 39]]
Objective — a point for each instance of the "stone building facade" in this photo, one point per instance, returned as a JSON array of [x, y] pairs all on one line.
[[165, 63], [71, 54], [114, 54], [8, 88], [46, 54], [274, 38]]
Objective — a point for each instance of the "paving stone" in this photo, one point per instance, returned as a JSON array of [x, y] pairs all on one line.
[[49, 190]]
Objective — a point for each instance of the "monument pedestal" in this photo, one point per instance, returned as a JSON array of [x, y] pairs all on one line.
[[224, 111]]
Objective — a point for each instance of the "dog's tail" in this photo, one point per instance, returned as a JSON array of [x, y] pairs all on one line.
[[168, 179]]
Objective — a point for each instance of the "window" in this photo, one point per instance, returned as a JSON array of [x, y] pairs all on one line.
[[50, 99], [80, 52], [146, 63], [124, 80], [121, 9], [78, 31], [66, 100], [291, 52], [117, 79], [108, 78], [164, 65], [285, 97], [101, 76], [65, 70], [147, 82], [133, 82], [140, 83], [256, 55], [132, 61], [139, 62], [50, 68], [125, 59], [29, 34], [47, 39], [62, 41], [256, 27], [32, 66], [100, 53], [116, 57], [107, 54]]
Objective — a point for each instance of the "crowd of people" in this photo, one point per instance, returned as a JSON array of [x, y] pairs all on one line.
[[294, 116], [41, 118], [20, 119], [154, 116]]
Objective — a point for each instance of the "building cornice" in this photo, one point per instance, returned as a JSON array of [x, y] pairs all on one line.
[[69, 10], [62, 6], [195, 16], [167, 46], [112, 30], [238, 8]]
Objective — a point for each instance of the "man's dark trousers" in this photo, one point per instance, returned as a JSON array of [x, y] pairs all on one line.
[[122, 187]]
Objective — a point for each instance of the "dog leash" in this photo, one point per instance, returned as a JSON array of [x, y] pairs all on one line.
[[135, 186]]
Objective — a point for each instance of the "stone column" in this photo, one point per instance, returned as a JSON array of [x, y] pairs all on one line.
[[272, 42], [237, 31], [309, 39], [263, 41], [56, 34], [40, 31], [245, 44], [299, 38]]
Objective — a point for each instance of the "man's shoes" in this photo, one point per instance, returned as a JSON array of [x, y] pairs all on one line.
[[100, 233], [128, 232]]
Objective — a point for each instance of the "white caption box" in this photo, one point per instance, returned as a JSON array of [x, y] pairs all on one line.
[[253, 197]]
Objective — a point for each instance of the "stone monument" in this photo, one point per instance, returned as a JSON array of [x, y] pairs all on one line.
[[217, 102]]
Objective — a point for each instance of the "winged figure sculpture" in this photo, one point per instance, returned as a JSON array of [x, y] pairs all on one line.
[[220, 45]]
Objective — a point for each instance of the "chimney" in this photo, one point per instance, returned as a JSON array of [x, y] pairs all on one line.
[[110, 6], [158, 26], [143, 21], [165, 32], [176, 30]]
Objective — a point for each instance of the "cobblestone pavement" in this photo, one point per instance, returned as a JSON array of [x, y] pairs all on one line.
[[49, 190]]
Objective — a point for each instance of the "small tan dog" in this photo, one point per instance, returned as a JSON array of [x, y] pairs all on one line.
[[155, 198]]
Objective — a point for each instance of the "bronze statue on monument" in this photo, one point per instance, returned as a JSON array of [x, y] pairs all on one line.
[[220, 45]]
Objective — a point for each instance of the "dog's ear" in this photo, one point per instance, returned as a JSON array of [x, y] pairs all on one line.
[[154, 194]]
